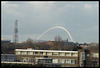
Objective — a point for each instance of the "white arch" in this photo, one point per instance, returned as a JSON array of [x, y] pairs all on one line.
[[56, 28]]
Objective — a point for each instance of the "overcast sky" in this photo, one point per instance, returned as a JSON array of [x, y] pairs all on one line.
[[80, 18]]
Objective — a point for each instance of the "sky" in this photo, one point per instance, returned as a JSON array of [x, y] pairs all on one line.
[[80, 18]]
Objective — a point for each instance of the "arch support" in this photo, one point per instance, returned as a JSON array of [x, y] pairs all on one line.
[[56, 28]]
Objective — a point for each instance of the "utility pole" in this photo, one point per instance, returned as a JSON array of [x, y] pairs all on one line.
[[15, 39]]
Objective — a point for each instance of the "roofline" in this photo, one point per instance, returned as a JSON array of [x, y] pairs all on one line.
[[8, 54], [44, 50]]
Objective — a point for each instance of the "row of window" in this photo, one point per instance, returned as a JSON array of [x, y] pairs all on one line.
[[8, 60], [47, 53], [27, 59], [7, 57], [66, 61], [63, 61], [83, 55]]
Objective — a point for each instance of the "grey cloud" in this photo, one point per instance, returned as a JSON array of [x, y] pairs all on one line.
[[34, 19]]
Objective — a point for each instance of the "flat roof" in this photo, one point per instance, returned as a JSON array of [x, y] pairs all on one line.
[[44, 50], [44, 58], [8, 54]]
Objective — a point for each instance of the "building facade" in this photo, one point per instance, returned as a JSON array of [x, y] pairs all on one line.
[[5, 41], [8, 57], [92, 58], [64, 58]]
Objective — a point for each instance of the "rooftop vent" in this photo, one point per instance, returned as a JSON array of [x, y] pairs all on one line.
[[29, 48]]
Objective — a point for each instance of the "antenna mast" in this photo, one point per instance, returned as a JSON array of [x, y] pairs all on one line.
[[15, 39]]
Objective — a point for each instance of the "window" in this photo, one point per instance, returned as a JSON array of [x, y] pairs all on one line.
[[35, 53], [88, 55], [67, 61], [17, 52], [67, 54], [72, 61], [73, 54], [48, 53], [41, 53], [41, 61], [55, 60], [95, 55], [23, 53], [61, 54], [48, 61], [23, 59], [60, 61], [54, 53], [30, 53], [29, 59], [82, 55]]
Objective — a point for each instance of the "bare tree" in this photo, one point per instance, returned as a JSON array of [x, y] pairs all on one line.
[[58, 43], [58, 38]]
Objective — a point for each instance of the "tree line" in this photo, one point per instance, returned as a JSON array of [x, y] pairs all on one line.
[[57, 44]]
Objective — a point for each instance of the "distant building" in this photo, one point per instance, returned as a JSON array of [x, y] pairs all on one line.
[[5, 41], [49, 43], [84, 46], [8, 57], [94, 44], [66, 42]]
